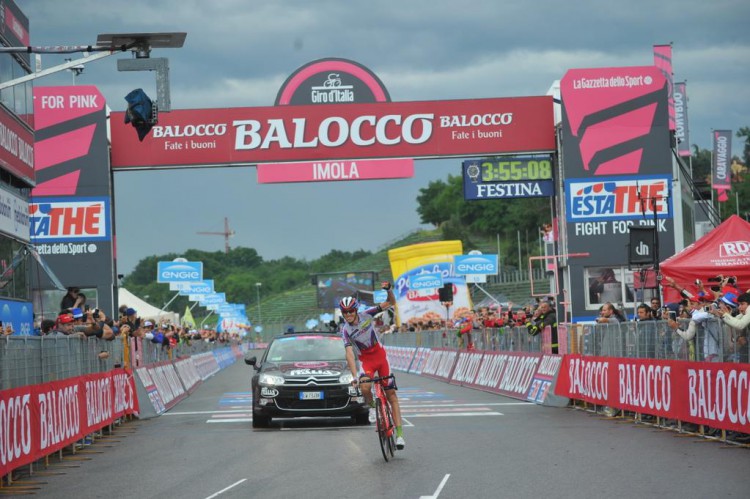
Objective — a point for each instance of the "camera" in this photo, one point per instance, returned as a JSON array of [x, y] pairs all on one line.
[[718, 278], [673, 315]]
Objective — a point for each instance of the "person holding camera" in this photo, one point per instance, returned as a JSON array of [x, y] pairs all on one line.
[[738, 323], [95, 323]]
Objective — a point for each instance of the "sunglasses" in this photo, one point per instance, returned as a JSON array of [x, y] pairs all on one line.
[[347, 312]]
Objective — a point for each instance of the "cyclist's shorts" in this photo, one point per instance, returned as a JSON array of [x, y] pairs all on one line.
[[375, 362]]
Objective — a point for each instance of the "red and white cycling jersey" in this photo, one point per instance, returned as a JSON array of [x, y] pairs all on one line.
[[363, 336]]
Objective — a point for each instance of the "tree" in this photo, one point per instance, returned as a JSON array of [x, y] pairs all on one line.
[[745, 132]]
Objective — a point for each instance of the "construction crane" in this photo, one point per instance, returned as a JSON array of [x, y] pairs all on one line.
[[227, 234]]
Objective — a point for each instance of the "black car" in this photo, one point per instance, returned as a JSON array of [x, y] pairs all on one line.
[[304, 374]]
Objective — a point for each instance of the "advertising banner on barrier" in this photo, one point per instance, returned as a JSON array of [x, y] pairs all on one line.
[[712, 394], [37, 420], [400, 358], [544, 380], [419, 360], [506, 373], [467, 368], [188, 374], [439, 364], [167, 383]]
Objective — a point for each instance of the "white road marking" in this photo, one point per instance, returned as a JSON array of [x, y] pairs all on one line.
[[204, 412], [236, 420], [467, 405], [448, 414], [227, 488], [439, 489]]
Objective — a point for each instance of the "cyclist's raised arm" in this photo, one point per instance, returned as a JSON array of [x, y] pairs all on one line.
[[391, 297]]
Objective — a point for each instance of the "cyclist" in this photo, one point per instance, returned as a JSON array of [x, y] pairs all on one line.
[[362, 342]]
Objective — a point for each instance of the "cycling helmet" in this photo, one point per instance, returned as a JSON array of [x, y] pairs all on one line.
[[348, 303]]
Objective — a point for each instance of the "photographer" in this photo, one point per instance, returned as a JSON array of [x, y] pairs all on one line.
[[95, 323], [739, 323]]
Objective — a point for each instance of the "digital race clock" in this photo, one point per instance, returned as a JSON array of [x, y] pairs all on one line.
[[514, 169], [508, 177]]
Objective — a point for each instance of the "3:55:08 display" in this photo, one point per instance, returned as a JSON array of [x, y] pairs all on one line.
[[500, 171]]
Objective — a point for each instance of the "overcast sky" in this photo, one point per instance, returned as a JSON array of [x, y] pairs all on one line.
[[238, 53]]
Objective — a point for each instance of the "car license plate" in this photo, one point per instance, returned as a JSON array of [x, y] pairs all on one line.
[[310, 395]]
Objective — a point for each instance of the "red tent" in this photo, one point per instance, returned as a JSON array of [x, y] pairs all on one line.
[[723, 251]]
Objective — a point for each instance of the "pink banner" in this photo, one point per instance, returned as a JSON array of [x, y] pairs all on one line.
[[325, 171], [663, 61], [37, 420], [712, 394]]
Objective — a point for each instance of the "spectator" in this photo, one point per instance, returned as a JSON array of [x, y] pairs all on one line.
[[72, 299], [148, 330], [646, 333], [738, 323], [609, 314], [47, 326], [64, 327], [95, 323], [711, 330], [655, 308], [544, 316]]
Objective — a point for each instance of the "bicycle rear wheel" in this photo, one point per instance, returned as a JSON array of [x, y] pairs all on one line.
[[382, 430]]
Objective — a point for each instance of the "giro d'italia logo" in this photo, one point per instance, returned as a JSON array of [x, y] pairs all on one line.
[[332, 81]]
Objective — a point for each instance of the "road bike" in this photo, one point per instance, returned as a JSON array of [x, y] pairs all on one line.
[[385, 427]]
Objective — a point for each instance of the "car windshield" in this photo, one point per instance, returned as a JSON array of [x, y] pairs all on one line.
[[306, 348]]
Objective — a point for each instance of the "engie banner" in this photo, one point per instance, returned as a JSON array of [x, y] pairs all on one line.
[[281, 134], [712, 394], [409, 263], [37, 420]]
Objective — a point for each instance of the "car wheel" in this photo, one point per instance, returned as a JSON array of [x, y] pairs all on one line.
[[362, 418], [261, 421]]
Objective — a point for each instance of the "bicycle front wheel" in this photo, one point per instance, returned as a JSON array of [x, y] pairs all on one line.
[[390, 430], [383, 437]]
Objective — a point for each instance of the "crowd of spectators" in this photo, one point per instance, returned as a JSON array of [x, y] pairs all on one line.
[[77, 319]]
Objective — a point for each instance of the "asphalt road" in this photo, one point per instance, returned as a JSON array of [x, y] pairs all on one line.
[[461, 443]]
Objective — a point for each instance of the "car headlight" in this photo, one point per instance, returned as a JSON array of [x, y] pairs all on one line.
[[271, 379], [346, 378]]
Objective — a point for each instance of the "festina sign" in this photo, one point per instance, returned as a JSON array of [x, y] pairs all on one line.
[[278, 134]]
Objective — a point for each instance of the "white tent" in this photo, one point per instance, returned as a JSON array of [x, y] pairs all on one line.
[[144, 309]]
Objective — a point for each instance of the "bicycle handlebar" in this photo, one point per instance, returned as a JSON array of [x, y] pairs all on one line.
[[374, 380]]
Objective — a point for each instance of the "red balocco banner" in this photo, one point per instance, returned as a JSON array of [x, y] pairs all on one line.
[[16, 147], [37, 420], [280, 134], [712, 394]]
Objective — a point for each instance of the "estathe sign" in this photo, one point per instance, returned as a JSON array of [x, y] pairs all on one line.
[[281, 134]]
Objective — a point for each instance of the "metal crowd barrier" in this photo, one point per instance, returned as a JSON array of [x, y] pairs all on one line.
[[714, 341], [513, 339], [29, 360]]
